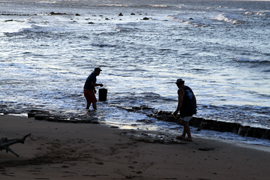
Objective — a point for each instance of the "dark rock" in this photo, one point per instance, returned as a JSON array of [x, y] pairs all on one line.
[[260, 132], [163, 113], [33, 113], [91, 23], [243, 130], [77, 14], [120, 14], [62, 120], [42, 116], [4, 109], [54, 14], [145, 121], [256, 132], [266, 135], [145, 18], [95, 122], [141, 108], [114, 127], [132, 14], [196, 122], [207, 124], [225, 126]]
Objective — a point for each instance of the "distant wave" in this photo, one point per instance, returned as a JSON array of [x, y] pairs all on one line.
[[194, 19], [32, 29], [229, 18], [247, 60], [160, 6], [203, 19], [115, 5], [258, 13]]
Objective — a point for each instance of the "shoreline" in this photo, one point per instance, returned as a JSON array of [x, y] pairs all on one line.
[[197, 122], [91, 151], [240, 134]]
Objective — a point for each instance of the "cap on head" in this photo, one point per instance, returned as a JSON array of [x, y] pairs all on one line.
[[98, 69], [180, 81]]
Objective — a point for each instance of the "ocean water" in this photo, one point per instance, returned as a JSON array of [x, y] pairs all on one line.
[[220, 48]]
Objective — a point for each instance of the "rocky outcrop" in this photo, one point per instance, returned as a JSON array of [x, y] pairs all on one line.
[[47, 116], [204, 124], [215, 125], [198, 122]]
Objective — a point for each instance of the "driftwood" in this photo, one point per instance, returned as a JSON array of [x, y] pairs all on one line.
[[5, 143]]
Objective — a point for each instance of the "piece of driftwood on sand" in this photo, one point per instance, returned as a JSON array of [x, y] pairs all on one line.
[[5, 143]]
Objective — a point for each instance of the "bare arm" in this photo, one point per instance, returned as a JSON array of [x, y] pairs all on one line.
[[181, 94], [95, 84], [195, 101]]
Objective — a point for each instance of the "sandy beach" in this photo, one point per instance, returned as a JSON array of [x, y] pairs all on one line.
[[94, 151]]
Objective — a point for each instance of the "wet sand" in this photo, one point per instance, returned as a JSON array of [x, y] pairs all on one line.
[[93, 151]]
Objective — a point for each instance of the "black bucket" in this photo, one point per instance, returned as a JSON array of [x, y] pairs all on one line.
[[102, 94]]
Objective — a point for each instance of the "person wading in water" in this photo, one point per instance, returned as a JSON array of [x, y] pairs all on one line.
[[89, 88]]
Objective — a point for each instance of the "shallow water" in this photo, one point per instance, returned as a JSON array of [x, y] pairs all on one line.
[[221, 49]]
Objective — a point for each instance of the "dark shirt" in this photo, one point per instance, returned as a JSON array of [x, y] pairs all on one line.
[[91, 78], [188, 107]]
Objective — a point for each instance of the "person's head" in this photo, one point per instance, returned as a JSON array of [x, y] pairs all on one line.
[[180, 82], [97, 71]]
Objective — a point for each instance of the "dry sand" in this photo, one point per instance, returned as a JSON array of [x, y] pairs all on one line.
[[91, 151]]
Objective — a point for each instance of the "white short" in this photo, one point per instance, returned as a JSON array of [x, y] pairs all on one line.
[[187, 118]]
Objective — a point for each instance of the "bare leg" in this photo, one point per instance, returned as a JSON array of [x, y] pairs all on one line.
[[95, 106], [186, 131], [87, 106]]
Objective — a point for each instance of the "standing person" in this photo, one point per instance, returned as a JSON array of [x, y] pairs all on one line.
[[187, 106], [89, 88]]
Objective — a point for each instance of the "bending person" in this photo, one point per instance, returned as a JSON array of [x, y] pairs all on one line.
[[89, 88]]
